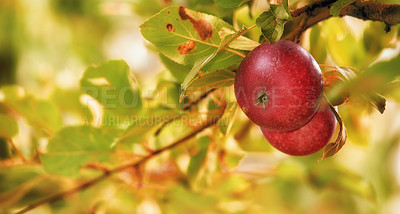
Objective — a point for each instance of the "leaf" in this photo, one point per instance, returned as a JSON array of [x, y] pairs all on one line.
[[225, 123], [316, 42], [271, 27], [241, 42], [226, 41], [358, 83], [179, 71], [281, 11], [378, 102], [8, 126], [333, 147], [185, 36], [74, 147], [216, 79], [109, 83], [338, 5], [197, 161], [43, 115], [230, 3], [272, 22], [196, 68]]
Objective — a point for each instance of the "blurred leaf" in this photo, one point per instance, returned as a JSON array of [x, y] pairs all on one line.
[[230, 3], [363, 86], [378, 102], [73, 147], [225, 123], [147, 8], [188, 37], [184, 200], [179, 71], [8, 126], [340, 179], [109, 83], [338, 5], [333, 147], [69, 101], [382, 73], [344, 48], [41, 114], [316, 42], [197, 161], [216, 79], [376, 40]]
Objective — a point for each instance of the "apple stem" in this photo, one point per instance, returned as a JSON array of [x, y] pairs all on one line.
[[262, 98]]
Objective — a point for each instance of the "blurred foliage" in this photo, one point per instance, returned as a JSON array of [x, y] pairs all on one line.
[[63, 119]]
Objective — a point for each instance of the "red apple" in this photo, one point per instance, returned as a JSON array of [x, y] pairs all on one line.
[[306, 140], [278, 86]]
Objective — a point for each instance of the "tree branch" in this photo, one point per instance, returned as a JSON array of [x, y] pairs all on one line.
[[319, 11], [106, 174]]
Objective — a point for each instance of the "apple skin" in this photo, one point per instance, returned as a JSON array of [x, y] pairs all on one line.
[[291, 80], [306, 140]]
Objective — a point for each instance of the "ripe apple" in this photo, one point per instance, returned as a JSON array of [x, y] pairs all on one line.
[[278, 86], [308, 139]]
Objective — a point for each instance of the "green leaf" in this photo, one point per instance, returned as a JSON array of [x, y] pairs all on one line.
[[369, 84], [43, 115], [185, 36], [281, 11], [8, 126], [271, 27], [177, 70], [216, 79], [227, 39], [195, 69], [316, 42], [74, 147], [111, 85], [235, 42], [197, 161], [338, 5], [226, 121], [230, 3]]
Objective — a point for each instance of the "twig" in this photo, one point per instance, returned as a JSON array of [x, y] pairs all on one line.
[[107, 174]]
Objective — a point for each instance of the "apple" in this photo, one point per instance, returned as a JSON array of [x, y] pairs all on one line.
[[278, 86], [308, 139]]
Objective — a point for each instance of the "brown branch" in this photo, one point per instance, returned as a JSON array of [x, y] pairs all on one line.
[[374, 11], [107, 174], [365, 10]]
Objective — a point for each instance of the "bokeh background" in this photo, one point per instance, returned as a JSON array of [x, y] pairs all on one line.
[[46, 45]]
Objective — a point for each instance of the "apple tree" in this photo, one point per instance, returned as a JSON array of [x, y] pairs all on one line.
[[217, 106]]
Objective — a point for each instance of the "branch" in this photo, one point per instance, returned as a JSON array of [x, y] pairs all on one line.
[[365, 10], [107, 174]]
